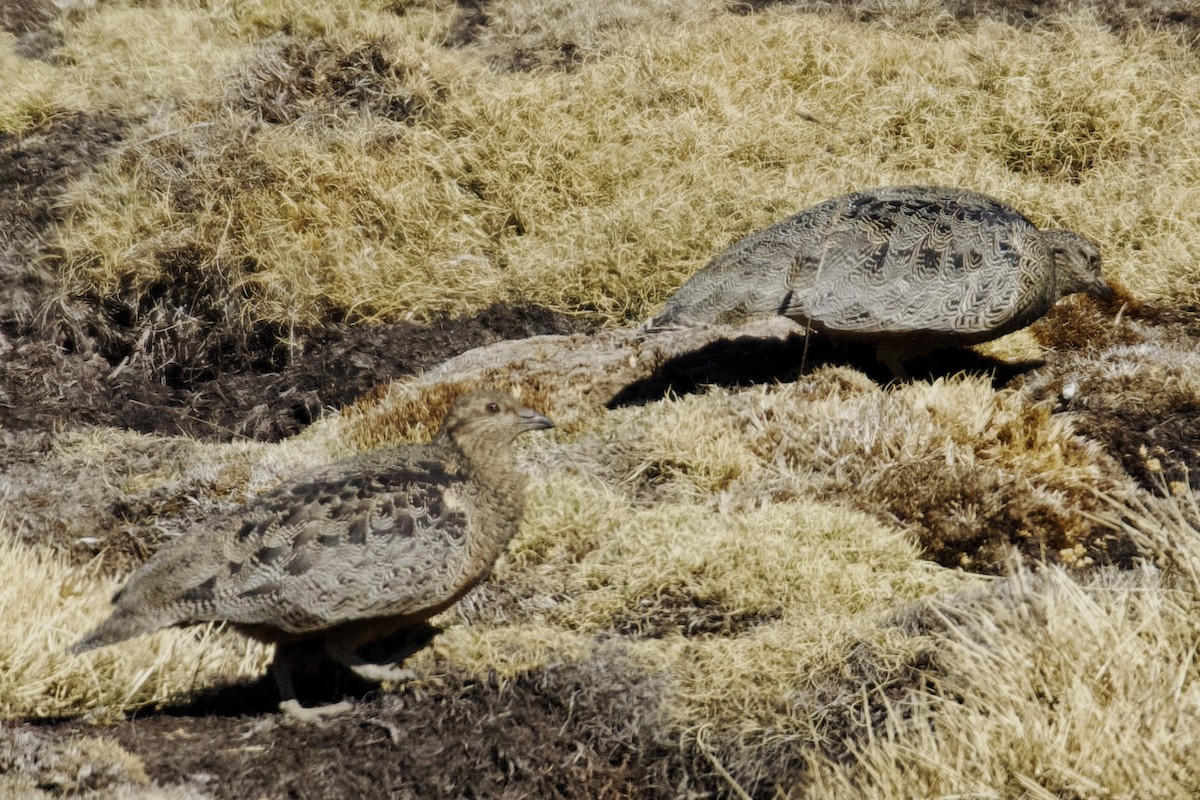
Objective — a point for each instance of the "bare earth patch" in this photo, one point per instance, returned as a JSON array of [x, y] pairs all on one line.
[[569, 731], [29, 21], [272, 396]]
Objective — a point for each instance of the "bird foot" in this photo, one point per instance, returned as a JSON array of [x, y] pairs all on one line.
[[380, 673], [314, 714]]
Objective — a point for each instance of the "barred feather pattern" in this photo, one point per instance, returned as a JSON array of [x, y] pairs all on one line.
[[390, 538], [910, 268]]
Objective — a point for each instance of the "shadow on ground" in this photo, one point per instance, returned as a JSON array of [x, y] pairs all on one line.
[[587, 730], [749, 360]]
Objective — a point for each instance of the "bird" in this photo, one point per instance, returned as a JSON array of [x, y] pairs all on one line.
[[905, 269], [345, 555]]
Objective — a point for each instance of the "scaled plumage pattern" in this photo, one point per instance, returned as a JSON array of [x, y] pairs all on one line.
[[906, 269], [348, 554]]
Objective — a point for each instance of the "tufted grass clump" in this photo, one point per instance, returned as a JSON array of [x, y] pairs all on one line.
[[28, 89], [49, 605], [438, 186], [1047, 687]]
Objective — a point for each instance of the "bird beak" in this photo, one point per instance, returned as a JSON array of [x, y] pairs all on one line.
[[533, 421], [1101, 290]]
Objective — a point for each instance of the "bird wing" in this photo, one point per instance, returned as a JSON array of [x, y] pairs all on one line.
[[892, 264], [336, 547]]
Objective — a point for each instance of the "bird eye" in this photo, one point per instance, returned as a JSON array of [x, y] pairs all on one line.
[[493, 408]]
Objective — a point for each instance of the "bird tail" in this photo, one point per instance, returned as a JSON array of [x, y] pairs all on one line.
[[120, 626]]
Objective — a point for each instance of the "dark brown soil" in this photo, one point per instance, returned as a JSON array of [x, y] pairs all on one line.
[[76, 361], [680, 611], [42, 384], [588, 730], [20, 16], [1121, 16], [1147, 419], [34, 170], [29, 21]]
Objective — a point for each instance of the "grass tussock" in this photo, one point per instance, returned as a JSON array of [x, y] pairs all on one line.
[[1165, 530], [435, 186], [973, 474], [49, 604], [28, 89], [94, 766], [133, 57], [1045, 687], [395, 414]]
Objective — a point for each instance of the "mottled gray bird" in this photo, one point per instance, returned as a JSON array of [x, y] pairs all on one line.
[[349, 554], [906, 269]]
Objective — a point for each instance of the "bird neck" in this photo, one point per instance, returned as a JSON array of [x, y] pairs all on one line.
[[499, 488], [489, 457], [492, 463]]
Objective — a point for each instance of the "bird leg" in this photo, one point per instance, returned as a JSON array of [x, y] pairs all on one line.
[[281, 667], [370, 670]]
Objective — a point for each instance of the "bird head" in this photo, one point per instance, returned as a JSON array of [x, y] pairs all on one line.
[[1077, 265], [492, 416]]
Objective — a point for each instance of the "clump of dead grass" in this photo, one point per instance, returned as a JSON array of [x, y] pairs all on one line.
[[290, 80], [87, 766], [739, 610], [395, 414], [602, 189], [28, 89], [535, 34], [132, 56], [974, 474], [1165, 529], [383, 417], [48, 606], [1045, 686]]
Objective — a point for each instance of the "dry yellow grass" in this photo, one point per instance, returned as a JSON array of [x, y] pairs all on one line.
[[1050, 688], [88, 767], [760, 549], [48, 603], [28, 89], [1048, 685], [602, 188]]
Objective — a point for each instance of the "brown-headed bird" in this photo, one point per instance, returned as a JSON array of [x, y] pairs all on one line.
[[348, 554]]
